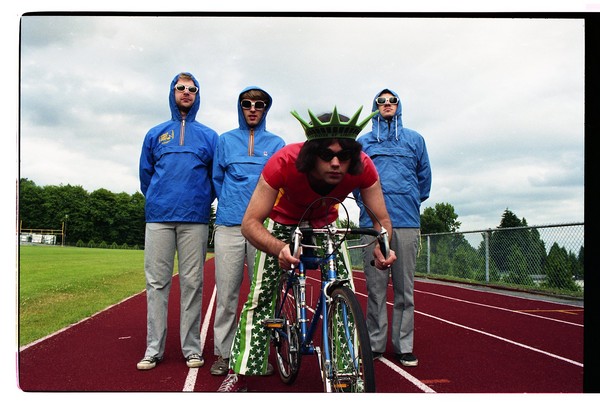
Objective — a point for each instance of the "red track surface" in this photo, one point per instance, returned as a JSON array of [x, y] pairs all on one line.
[[467, 340]]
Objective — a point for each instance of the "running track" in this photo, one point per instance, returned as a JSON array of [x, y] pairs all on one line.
[[468, 340]]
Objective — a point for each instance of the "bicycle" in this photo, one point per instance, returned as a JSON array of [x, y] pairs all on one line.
[[345, 357]]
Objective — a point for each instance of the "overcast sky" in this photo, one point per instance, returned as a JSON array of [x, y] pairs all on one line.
[[499, 101]]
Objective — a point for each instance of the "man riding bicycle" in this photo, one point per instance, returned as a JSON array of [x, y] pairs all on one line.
[[329, 164]]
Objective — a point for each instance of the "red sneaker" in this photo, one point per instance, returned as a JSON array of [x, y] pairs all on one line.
[[233, 383]]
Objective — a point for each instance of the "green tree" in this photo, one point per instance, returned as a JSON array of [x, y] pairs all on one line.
[[99, 216], [351, 224], [579, 265], [501, 241], [103, 215], [211, 228], [517, 268], [31, 200], [439, 219], [558, 270]]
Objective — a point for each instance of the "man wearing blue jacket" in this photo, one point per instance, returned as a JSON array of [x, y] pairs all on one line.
[[239, 160], [175, 178], [400, 156]]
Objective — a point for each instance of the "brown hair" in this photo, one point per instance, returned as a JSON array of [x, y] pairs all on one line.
[[307, 157], [255, 94], [185, 76]]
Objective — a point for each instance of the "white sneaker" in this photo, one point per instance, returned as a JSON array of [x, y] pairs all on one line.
[[149, 362], [194, 361]]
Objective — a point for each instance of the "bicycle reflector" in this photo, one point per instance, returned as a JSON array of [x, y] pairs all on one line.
[[334, 127], [273, 323]]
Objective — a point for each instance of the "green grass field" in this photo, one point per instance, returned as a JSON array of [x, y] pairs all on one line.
[[58, 286]]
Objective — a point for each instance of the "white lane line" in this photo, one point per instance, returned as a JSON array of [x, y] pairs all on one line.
[[512, 342], [415, 381], [418, 383], [489, 290], [190, 380], [406, 375], [494, 336], [77, 323], [501, 308]]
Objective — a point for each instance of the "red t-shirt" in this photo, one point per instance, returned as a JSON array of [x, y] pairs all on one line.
[[295, 194]]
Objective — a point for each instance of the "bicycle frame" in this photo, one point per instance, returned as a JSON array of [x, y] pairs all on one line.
[[294, 285]]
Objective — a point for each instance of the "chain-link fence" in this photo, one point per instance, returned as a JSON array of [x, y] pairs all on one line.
[[535, 258]]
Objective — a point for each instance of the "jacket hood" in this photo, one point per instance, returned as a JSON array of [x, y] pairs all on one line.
[[263, 121], [379, 124], [175, 115]]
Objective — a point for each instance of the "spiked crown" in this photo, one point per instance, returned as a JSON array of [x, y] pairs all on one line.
[[316, 129]]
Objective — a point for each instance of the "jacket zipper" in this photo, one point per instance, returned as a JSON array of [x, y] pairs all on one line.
[[251, 143], [182, 133]]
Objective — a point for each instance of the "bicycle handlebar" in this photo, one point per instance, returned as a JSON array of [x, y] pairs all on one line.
[[300, 232]]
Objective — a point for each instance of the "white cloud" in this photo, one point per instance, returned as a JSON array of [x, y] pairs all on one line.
[[54, 164]]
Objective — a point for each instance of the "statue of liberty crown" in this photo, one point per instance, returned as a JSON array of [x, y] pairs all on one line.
[[317, 129]]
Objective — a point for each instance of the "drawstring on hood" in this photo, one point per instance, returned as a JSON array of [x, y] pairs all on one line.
[[400, 156], [242, 120], [175, 114], [394, 123], [239, 159], [261, 126]]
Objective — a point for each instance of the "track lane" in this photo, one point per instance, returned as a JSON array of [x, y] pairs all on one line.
[[455, 356]]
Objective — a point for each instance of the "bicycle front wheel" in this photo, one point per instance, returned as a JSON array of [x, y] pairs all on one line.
[[286, 338], [352, 367]]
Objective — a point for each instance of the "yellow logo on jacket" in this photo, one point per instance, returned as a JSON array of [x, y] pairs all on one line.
[[166, 137]]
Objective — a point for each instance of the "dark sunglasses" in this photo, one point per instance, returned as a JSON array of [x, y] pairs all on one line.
[[258, 105], [182, 87], [384, 100], [328, 154]]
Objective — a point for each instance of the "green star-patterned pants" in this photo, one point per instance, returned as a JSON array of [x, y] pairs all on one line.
[[250, 350]]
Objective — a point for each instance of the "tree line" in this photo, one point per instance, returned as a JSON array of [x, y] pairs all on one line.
[[89, 218], [106, 219]]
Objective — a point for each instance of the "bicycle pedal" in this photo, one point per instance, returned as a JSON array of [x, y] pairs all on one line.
[[273, 323], [342, 384]]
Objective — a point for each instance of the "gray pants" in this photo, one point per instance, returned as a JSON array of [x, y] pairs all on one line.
[[189, 240], [405, 243], [232, 250]]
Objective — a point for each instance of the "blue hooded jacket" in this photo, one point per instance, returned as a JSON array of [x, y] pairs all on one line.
[[400, 156], [175, 166], [240, 157]]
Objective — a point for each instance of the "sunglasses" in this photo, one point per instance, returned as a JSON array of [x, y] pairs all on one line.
[[248, 104], [384, 100], [182, 87], [328, 154]]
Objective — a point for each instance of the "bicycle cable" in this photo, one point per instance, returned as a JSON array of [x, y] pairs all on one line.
[[337, 201]]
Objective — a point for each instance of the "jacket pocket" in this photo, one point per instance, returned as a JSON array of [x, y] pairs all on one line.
[[242, 168], [396, 168]]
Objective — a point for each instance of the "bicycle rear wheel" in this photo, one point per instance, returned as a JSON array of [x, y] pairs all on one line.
[[286, 339], [350, 349]]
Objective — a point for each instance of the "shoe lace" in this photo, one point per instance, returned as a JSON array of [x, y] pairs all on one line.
[[229, 383]]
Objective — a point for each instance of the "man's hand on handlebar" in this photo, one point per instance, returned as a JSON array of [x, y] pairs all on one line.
[[380, 261], [286, 260]]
